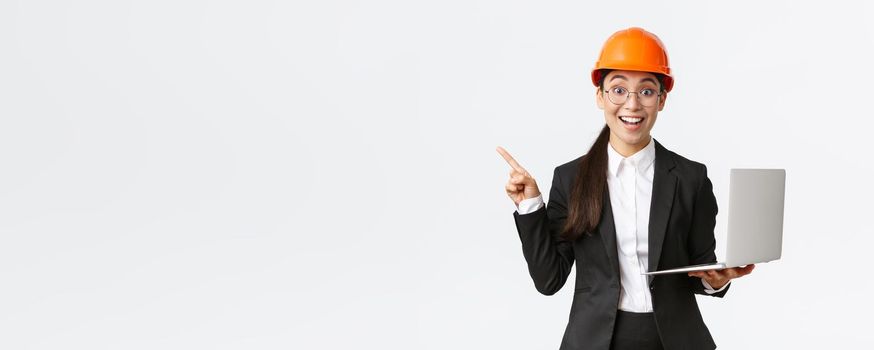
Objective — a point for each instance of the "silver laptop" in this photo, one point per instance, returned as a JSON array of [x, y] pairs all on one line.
[[755, 220]]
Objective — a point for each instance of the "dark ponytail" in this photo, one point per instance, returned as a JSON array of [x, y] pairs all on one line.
[[588, 189]]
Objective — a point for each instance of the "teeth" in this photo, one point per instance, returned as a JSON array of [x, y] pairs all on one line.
[[630, 119]]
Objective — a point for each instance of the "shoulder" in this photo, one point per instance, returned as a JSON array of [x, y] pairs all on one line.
[[686, 169], [570, 165], [569, 169], [565, 174], [682, 163]]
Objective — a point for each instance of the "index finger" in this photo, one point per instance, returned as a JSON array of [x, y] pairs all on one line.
[[510, 160]]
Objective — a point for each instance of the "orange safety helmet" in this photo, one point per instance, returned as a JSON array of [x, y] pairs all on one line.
[[634, 49]]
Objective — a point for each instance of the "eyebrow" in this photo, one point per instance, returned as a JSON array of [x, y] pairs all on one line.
[[617, 76]]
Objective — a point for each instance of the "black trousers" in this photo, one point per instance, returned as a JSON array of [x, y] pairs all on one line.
[[635, 331]]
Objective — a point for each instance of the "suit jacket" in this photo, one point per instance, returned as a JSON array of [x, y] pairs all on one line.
[[682, 218]]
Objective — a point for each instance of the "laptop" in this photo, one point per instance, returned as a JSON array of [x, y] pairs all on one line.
[[755, 220]]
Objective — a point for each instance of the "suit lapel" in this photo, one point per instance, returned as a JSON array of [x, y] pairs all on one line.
[[664, 187]]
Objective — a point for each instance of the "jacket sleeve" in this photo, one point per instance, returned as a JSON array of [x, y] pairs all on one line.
[[702, 240], [549, 258]]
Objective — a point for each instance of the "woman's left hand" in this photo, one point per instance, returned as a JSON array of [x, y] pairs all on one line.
[[718, 278]]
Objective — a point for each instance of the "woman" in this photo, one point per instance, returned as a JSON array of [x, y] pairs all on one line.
[[627, 206]]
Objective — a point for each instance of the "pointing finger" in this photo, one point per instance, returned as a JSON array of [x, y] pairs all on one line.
[[510, 160]]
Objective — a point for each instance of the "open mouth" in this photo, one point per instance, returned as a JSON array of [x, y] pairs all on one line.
[[631, 120]]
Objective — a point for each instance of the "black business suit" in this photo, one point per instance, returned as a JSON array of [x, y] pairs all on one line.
[[682, 218]]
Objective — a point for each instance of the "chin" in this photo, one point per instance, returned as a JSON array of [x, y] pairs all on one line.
[[635, 139]]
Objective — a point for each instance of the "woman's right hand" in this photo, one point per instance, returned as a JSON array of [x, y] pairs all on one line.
[[521, 184]]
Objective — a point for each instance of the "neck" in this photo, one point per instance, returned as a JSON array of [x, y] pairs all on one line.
[[625, 149]]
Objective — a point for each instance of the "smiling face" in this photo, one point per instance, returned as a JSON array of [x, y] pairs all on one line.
[[630, 122]]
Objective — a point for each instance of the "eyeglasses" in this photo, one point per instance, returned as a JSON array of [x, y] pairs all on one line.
[[647, 97]]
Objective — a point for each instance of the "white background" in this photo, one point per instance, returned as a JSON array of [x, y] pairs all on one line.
[[322, 175]]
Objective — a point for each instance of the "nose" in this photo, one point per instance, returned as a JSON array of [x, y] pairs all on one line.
[[632, 103]]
